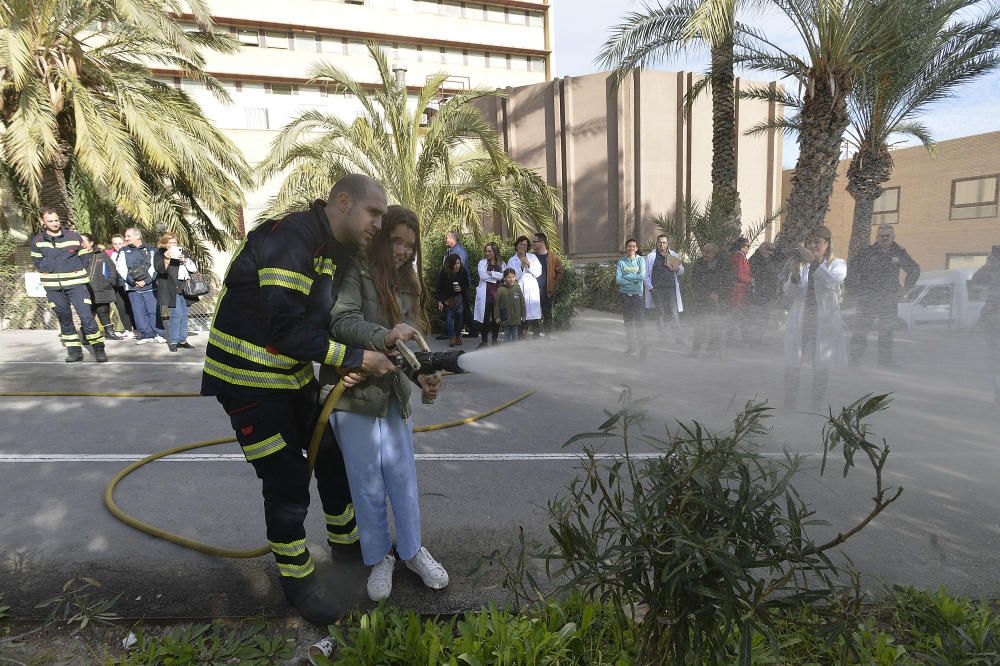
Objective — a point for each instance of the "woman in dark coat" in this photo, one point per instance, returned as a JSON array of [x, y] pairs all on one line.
[[103, 280], [452, 285], [173, 266]]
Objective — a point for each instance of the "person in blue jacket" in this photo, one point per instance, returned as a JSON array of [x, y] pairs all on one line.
[[630, 274]]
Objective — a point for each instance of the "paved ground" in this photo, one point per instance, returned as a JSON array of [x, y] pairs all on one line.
[[477, 482]]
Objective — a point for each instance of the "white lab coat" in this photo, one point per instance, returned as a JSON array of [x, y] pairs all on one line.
[[479, 312], [528, 280], [831, 347], [650, 260]]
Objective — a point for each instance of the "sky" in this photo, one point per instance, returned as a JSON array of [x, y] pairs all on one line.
[[581, 27]]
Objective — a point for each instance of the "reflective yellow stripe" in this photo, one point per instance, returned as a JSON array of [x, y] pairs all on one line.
[[263, 448], [296, 570], [350, 537], [324, 266], [290, 549], [84, 251], [249, 351], [37, 254], [343, 518], [335, 354], [66, 243], [258, 379], [279, 277]]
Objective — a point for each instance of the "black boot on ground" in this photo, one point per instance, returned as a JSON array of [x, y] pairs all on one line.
[[100, 355], [74, 355], [314, 599]]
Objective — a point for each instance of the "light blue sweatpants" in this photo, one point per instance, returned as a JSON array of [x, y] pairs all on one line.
[[378, 456]]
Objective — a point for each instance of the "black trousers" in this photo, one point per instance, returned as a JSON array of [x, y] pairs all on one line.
[[102, 311], [546, 310], [124, 307], [879, 314], [274, 435], [63, 302], [489, 324]]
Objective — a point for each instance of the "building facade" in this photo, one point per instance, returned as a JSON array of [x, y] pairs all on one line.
[[944, 207], [499, 43], [621, 157]]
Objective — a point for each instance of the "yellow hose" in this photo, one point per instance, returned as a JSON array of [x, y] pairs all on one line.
[[208, 549]]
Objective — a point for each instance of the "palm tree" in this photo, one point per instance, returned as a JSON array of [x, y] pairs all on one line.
[[661, 30], [450, 172], [938, 54], [840, 38], [87, 130]]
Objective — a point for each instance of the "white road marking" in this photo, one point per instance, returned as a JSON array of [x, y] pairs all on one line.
[[111, 362], [238, 457]]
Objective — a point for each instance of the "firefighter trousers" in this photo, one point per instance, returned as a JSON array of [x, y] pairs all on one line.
[[63, 301], [274, 435]]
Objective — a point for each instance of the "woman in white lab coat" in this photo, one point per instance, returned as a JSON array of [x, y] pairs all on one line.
[[815, 328], [491, 268], [527, 268]]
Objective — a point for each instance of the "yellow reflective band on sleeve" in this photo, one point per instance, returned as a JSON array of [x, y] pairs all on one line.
[[350, 537], [290, 549], [324, 266], [335, 354], [66, 243], [279, 277], [87, 301], [263, 448], [258, 379], [343, 518], [249, 351], [37, 254], [296, 570]]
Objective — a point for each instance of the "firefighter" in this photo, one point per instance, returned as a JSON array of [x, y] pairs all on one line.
[[63, 262], [271, 324]]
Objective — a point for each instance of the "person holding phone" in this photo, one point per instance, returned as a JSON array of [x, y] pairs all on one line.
[[452, 285], [173, 267]]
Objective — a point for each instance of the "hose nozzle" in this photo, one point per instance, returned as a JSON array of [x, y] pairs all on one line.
[[427, 362]]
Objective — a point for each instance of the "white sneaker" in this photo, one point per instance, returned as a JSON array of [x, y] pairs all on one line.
[[380, 579], [160, 338], [429, 569], [142, 341]]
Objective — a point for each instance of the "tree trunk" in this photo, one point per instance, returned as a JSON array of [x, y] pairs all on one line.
[[725, 195], [54, 190], [870, 167], [823, 121]]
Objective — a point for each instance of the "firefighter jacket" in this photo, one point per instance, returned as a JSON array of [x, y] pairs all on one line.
[[273, 315], [60, 259]]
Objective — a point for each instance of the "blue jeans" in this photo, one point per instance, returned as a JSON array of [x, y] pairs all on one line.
[[144, 314], [378, 456], [177, 326], [453, 316], [511, 333]]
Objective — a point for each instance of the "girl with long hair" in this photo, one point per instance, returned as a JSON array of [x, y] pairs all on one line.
[[452, 285], [380, 304]]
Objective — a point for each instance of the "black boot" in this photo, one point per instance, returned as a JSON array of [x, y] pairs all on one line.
[[313, 599], [74, 354], [99, 354]]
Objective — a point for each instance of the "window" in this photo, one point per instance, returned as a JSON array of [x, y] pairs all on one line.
[[965, 260], [257, 118], [536, 20], [519, 63], [454, 57], [496, 14], [973, 198], [354, 2], [937, 295], [276, 40], [477, 59], [452, 9], [248, 37], [887, 207], [536, 64], [282, 89], [473, 11], [305, 41]]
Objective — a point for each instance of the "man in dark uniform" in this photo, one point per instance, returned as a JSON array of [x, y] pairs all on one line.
[[873, 279], [63, 262], [271, 324]]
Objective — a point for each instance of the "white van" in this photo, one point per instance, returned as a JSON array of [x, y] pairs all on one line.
[[941, 297]]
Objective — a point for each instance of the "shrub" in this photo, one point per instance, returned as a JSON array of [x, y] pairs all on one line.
[[711, 538]]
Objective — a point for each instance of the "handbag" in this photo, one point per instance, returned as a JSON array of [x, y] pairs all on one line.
[[194, 286]]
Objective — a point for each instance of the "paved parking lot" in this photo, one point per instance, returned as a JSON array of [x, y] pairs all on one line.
[[477, 482]]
